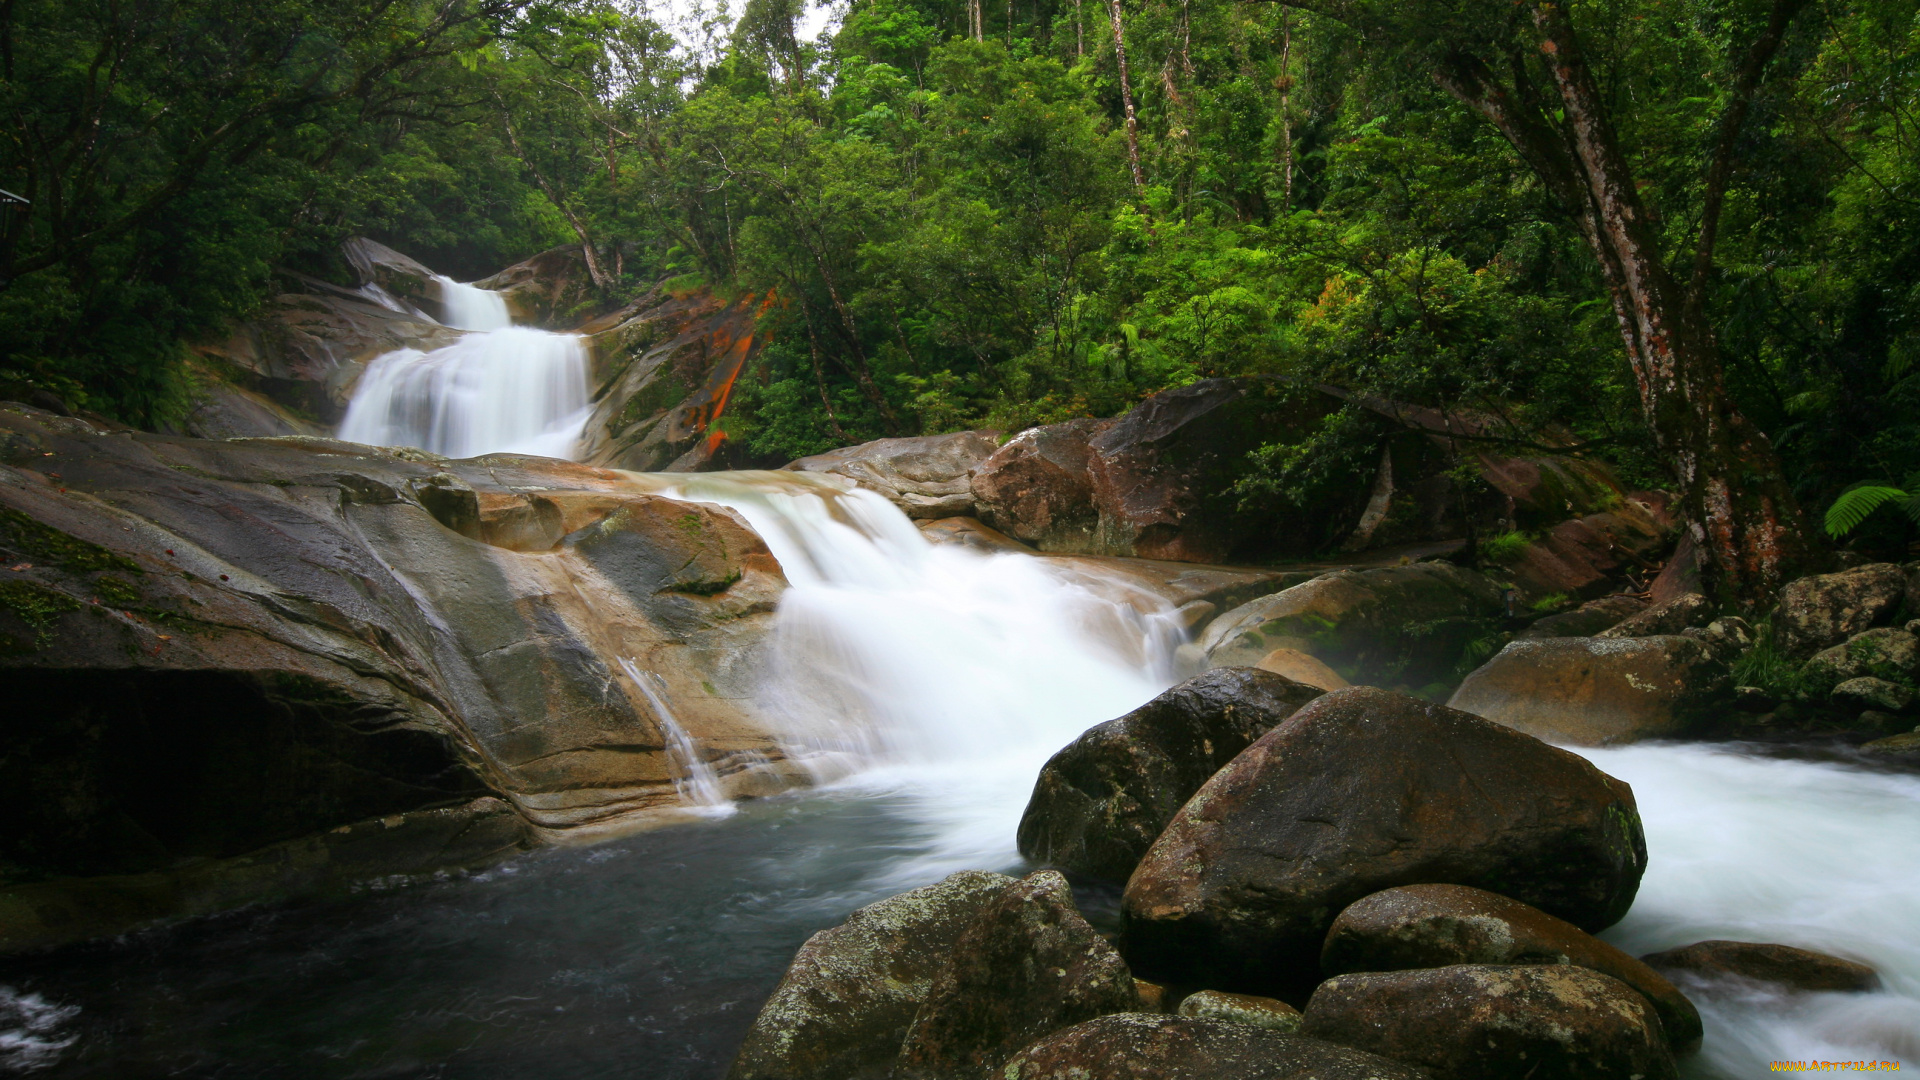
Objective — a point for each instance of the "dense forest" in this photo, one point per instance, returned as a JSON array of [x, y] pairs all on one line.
[[1680, 235]]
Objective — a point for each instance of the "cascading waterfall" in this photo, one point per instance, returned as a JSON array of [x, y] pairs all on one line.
[[697, 785], [500, 389]]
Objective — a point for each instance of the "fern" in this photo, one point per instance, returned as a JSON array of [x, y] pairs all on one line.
[[1856, 504]]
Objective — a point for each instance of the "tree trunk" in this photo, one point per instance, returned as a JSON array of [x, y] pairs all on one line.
[[1126, 93]]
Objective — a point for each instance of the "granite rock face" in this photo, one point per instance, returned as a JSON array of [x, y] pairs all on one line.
[[1363, 790], [1138, 1046], [1101, 802], [926, 477]]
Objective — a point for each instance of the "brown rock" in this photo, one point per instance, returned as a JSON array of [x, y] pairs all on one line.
[[1801, 969], [1822, 611], [1882, 651], [851, 992], [1688, 609], [1302, 668], [1136, 1046], [1359, 791], [1263, 1012], [1587, 555], [1586, 620], [551, 289], [1430, 926], [1594, 691], [1026, 965], [1037, 488], [1681, 575], [926, 477], [1101, 801], [1493, 1022], [969, 533]]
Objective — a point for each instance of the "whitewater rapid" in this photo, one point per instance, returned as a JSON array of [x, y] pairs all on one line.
[[499, 389]]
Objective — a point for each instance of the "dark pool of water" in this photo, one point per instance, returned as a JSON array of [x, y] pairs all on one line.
[[641, 958]]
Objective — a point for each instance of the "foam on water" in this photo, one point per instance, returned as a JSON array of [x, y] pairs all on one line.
[[516, 390], [1815, 855], [32, 1030]]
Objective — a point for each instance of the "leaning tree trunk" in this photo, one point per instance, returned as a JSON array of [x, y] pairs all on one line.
[[1734, 494]]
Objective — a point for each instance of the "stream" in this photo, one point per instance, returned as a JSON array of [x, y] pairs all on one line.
[[924, 686]]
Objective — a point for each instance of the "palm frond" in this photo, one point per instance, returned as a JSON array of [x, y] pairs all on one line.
[[1853, 506]]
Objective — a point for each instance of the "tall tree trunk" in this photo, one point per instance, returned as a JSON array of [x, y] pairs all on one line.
[[1734, 495], [1079, 34], [1126, 93], [1285, 84]]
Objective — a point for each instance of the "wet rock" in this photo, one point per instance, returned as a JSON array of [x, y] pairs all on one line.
[[1492, 1022], [1100, 802], [1026, 965], [1586, 620], [1262, 1012], [1871, 693], [1800, 969], [1302, 668], [1431, 926], [1359, 791], [969, 533], [1398, 624], [1689, 609], [551, 289], [1587, 555], [1822, 611], [1899, 746], [1137, 1046], [400, 276], [851, 993], [926, 477], [1152, 996], [1882, 652], [1038, 487], [1595, 691]]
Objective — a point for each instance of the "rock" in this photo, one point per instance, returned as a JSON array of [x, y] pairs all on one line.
[[1152, 996], [1726, 638], [1026, 965], [926, 477], [551, 289], [1871, 693], [1038, 487], [1395, 624], [851, 993], [1586, 620], [1302, 668], [1261, 1012], [1822, 611], [1882, 652], [308, 634], [1898, 746], [969, 533], [1100, 802], [1431, 926], [1491, 1022], [1137, 1046], [1688, 609], [1681, 575], [398, 275], [1362, 790], [1799, 969], [1595, 691], [1754, 699], [1587, 555]]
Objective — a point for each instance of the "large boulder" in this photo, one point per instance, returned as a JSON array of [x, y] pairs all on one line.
[[1586, 620], [1027, 964], [1100, 802], [1798, 969], [551, 289], [308, 634], [1882, 653], [926, 477], [1391, 625], [1140, 1046], [1586, 556], [1671, 617], [1359, 791], [1591, 691], [1038, 488], [398, 276], [1430, 926], [1822, 611], [851, 993], [1496, 1022]]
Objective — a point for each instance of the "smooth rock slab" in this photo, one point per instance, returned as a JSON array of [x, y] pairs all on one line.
[[1590, 691], [1026, 965], [1252, 1009], [1140, 1046], [1101, 802], [1800, 969], [1431, 926], [1494, 1022], [1362, 790], [852, 992]]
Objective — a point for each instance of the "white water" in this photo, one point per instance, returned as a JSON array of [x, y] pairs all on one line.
[[697, 785], [32, 1031], [499, 389], [938, 673]]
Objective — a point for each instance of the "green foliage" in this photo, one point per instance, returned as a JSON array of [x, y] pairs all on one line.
[[1855, 504], [1766, 667], [1504, 549], [1550, 603], [37, 606]]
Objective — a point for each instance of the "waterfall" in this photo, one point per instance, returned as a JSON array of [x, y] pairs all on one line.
[[938, 672], [697, 785], [500, 388]]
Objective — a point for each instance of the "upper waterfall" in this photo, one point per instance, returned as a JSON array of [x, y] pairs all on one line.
[[501, 388]]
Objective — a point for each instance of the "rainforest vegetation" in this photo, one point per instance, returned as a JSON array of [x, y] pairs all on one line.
[[1680, 234]]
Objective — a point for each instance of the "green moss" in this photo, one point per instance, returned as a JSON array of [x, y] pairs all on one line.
[[116, 591], [44, 544], [37, 606], [1549, 603], [1504, 549]]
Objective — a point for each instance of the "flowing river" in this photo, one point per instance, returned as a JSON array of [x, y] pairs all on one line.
[[925, 685]]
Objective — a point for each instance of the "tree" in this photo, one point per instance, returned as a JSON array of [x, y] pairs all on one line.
[[1524, 68]]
